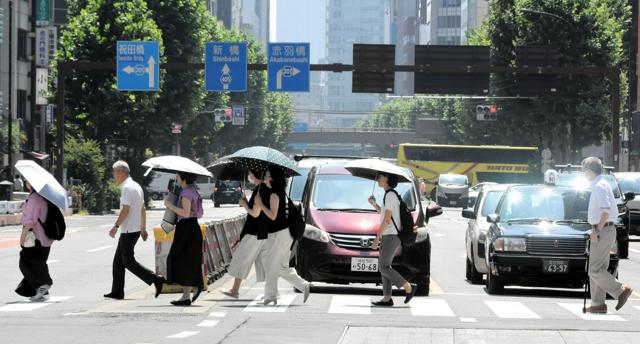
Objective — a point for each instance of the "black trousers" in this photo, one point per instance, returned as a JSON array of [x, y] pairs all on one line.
[[33, 265], [124, 259]]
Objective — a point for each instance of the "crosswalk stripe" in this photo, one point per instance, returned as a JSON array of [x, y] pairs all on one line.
[[27, 306], [257, 306], [183, 334], [208, 323], [217, 314], [511, 310], [350, 305], [576, 308], [431, 308]]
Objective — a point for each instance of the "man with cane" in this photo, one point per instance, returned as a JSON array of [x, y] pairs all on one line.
[[602, 213]]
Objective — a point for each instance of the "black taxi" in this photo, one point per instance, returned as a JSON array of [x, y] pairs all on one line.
[[538, 237]]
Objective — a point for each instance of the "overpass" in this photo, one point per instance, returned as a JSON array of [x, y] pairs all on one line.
[[428, 130]]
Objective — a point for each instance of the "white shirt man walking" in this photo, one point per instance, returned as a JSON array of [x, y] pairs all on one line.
[[603, 211], [132, 225]]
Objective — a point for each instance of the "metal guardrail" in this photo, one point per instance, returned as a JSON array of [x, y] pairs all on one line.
[[358, 130]]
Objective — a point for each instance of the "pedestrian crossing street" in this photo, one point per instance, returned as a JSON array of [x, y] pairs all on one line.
[[438, 306]]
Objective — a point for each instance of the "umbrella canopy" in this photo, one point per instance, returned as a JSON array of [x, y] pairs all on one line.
[[43, 182], [174, 164], [371, 168], [225, 168], [258, 158]]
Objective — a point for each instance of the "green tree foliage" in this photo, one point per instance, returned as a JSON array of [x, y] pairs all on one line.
[[95, 109], [84, 161], [588, 33], [402, 113]]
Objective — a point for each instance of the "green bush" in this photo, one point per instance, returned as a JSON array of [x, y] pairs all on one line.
[[84, 160]]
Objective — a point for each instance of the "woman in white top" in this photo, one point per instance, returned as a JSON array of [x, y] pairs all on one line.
[[389, 242]]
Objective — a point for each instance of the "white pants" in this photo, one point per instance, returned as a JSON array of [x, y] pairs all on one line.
[[602, 282], [276, 264], [249, 250]]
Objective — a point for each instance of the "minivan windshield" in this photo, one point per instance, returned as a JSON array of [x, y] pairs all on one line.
[[545, 203], [630, 184], [454, 179], [346, 192]]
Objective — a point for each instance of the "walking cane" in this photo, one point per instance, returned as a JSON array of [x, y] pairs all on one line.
[[586, 279]]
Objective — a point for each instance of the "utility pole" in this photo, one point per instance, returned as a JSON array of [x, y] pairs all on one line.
[[10, 112]]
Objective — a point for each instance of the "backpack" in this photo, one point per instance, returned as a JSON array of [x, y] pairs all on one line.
[[405, 231], [294, 220], [54, 226]]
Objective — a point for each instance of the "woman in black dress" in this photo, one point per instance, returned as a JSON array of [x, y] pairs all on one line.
[[184, 263]]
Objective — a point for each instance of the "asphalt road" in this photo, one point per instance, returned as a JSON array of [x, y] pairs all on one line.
[[455, 312]]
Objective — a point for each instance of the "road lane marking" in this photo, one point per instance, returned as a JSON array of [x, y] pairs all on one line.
[[258, 306], [183, 334], [576, 308], [511, 310], [431, 308], [208, 323], [52, 261], [217, 314], [350, 305], [468, 320], [106, 226], [634, 250], [99, 248], [27, 306]]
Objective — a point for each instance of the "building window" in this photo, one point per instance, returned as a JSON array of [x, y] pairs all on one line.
[[23, 42], [22, 104], [449, 3]]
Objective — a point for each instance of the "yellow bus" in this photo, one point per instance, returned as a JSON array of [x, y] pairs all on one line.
[[500, 164]]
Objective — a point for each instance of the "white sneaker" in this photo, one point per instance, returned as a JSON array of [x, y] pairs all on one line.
[[41, 293]]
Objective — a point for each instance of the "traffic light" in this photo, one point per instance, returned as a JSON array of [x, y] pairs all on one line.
[[223, 115], [486, 113]]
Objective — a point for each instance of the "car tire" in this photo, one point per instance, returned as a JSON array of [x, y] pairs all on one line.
[[494, 284], [216, 205], [623, 249], [472, 273]]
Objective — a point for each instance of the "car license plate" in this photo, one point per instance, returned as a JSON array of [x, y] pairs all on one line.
[[364, 264], [453, 202], [556, 266]]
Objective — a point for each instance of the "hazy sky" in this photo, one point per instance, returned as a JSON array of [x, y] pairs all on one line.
[[300, 21]]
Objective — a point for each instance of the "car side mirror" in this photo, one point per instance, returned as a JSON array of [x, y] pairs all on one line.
[[629, 196], [468, 214], [493, 218], [434, 211]]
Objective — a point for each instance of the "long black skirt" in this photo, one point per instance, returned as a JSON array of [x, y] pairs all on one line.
[[33, 265], [184, 263]]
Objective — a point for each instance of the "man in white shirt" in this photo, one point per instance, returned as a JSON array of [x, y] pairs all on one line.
[[132, 224], [603, 211]]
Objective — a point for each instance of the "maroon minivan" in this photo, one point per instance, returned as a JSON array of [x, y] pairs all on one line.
[[341, 225]]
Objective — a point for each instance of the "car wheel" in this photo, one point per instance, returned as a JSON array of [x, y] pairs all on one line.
[[472, 273], [216, 205], [623, 249], [494, 284]]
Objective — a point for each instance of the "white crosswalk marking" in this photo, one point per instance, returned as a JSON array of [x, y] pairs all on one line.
[[350, 305], [208, 323], [27, 306], [257, 305], [576, 308], [511, 310], [183, 334], [431, 308], [217, 314]]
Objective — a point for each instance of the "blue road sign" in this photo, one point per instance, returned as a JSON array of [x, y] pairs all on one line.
[[288, 67], [225, 67], [138, 66]]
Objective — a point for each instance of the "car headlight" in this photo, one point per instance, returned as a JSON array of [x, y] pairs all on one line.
[[421, 234], [315, 233], [510, 245], [622, 210]]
